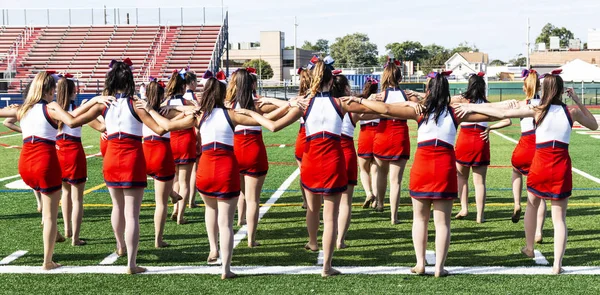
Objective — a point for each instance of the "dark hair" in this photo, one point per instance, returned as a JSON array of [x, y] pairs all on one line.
[[552, 90], [26, 91], [320, 77], [190, 77], [438, 98], [475, 92], [369, 88], [305, 80], [64, 91], [119, 78], [244, 86], [340, 84], [155, 95], [391, 77], [175, 85], [213, 96]]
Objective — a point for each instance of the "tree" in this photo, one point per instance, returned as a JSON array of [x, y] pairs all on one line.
[[518, 61], [437, 57], [497, 62], [465, 47], [263, 68], [408, 50], [320, 47], [549, 30], [354, 50]]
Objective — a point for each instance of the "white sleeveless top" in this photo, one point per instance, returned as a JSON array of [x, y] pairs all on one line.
[[216, 130], [146, 131], [365, 122], [120, 118], [241, 128], [441, 133], [348, 126], [527, 124], [481, 125], [556, 127], [322, 116], [75, 132], [189, 95], [177, 100], [38, 123], [393, 95]]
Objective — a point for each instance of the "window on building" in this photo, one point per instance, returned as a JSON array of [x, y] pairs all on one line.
[[288, 63], [459, 67]]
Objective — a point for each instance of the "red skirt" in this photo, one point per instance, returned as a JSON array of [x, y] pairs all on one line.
[[523, 153], [471, 149], [159, 158], [124, 164], [351, 159], [103, 145], [220, 177], [433, 174], [72, 160], [300, 143], [323, 169], [39, 166], [366, 137], [183, 146], [392, 142], [550, 176], [250, 153]]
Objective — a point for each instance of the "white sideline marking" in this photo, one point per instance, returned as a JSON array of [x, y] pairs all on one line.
[[17, 184], [539, 258], [241, 234], [321, 257], [301, 270], [12, 257], [88, 147], [110, 259], [94, 155], [282, 146], [9, 177], [10, 135], [430, 257], [584, 174]]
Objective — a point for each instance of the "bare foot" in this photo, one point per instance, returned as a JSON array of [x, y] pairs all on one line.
[[68, 233], [557, 271], [379, 208], [527, 252], [161, 244], [228, 275], [368, 201], [50, 266], [183, 221], [213, 259], [174, 216], [539, 239], [241, 222], [516, 215], [480, 221], [253, 244], [193, 205], [342, 245], [330, 272], [374, 204], [79, 243], [136, 270], [441, 274], [461, 215], [394, 222], [311, 248], [419, 270], [175, 198], [60, 238], [39, 209], [121, 252]]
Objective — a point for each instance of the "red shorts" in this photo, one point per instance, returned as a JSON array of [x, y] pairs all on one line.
[[550, 176], [250, 153], [300, 143], [433, 173], [323, 169], [103, 145], [220, 177], [523, 153], [183, 146], [392, 142], [351, 159], [366, 136], [39, 166], [471, 149], [159, 158], [124, 164], [72, 160]]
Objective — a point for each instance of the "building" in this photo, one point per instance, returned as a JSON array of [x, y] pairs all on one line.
[[545, 61], [463, 64], [271, 49]]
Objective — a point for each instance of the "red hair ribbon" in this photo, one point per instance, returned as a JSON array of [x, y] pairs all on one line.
[[50, 72], [396, 62], [128, 62], [299, 71], [251, 70], [525, 73], [161, 84], [336, 72], [175, 71], [446, 73], [481, 74], [68, 76], [553, 73], [222, 77]]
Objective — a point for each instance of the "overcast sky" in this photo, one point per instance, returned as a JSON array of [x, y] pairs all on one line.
[[496, 27]]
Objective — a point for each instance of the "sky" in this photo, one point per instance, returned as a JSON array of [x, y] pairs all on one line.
[[495, 27]]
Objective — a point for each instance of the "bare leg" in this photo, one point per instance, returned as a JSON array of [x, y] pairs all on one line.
[[133, 203], [162, 190], [226, 212], [176, 191], [559, 214], [541, 219], [252, 194], [517, 188], [442, 210], [479, 179], [345, 214], [301, 188], [241, 204], [117, 218], [66, 205], [212, 226], [530, 223], [77, 201], [421, 213], [192, 185], [383, 169], [396, 172], [38, 199], [313, 216], [463, 190], [365, 179], [185, 174], [50, 216], [330, 227]]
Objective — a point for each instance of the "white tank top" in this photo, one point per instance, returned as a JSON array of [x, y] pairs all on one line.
[[444, 131], [37, 123], [241, 128], [348, 126], [527, 125], [189, 95], [216, 130], [322, 116], [146, 131], [365, 122], [75, 132], [556, 127], [481, 125], [120, 118], [177, 100], [394, 95]]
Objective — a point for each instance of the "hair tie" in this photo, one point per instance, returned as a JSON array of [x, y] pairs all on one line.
[[126, 61], [328, 61], [222, 77], [391, 58], [313, 61], [556, 72]]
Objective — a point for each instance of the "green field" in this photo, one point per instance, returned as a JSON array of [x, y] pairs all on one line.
[[372, 240]]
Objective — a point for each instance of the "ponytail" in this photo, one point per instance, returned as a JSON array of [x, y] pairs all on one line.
[[155, 94], [340, 86], [42, 84], [391, 77], [65, 89], [531, 84], [438, 97], [305, 80], [119, 79], [213, 96], [231, 87], [553, 88], [175, 85], [475, 92], [320, 77]]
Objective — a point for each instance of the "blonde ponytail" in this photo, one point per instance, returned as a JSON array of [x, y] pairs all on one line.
[[317, 77], [42, 84], [531, 85]]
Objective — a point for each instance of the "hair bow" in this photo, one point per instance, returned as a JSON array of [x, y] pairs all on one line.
[[328, 61], [222, 77], [336, 72], [126, 61], [396, 62], [312, 62], [251, 70], [51, 72], [152, 79], [481, 74], [553, 73], [182, 72], [68, 76], [434, 75], [54, 75], [207, 74], [373, 81], [299, 71], [161, 84], [446, 73]]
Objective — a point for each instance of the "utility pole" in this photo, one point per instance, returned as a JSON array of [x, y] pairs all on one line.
[[295, 49], [527, 45], [105, 21]]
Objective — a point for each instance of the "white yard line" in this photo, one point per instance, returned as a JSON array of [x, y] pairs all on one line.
[[539, 258], [9, 177], [430, 257], [321, 257], [584, 174], [12, 257], [110, 259], [10, 135], [243, 231], [300, 270]]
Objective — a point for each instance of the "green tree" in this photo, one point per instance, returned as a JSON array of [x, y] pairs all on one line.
[[464, 47], [518, 61], [263, 68], [354, 50], [437, 57], [550, 30], [408, 50], [320, 47], [497, 62]]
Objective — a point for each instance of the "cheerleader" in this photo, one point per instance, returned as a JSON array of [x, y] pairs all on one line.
[[433, 175], [550, 175], [219, 185], [523, 153], [191, 83], [391, 144], [368, 129], [473, 149], [39, 166]]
